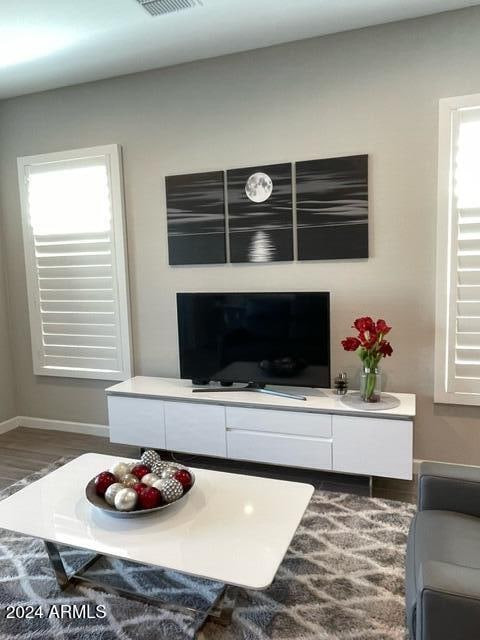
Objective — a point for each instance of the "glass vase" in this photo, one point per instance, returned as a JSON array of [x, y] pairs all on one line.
[[370, 385]]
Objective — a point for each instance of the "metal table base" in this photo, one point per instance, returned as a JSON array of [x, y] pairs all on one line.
[[215, 612]]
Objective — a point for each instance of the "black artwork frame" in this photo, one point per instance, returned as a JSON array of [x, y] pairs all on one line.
[[260, 231], [196, 218], [332, 208]]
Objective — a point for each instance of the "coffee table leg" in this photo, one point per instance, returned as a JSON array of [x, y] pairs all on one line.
[[57, 564], [63, 579], [223, 617], [216, 613]]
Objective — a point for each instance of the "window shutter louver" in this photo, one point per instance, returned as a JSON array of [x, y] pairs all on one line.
[[76, 267], [466, 206], [457, 371]]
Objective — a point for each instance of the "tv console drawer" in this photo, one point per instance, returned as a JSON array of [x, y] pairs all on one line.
[[291, 451], [137, 421], [192, 427], [373, 446], [296, 423]]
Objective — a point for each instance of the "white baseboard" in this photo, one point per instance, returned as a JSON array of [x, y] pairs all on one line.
[[8, 425], [62, 425]]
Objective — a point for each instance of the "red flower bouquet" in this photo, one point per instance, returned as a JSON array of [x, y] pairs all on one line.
[[371, 346]]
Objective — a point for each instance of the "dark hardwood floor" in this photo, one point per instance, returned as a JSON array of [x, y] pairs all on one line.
[[23, 451]]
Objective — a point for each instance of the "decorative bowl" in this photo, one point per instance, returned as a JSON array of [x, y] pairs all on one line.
[[99, 503]]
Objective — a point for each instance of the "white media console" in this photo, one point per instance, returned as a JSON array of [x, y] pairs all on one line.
[[319, 433]]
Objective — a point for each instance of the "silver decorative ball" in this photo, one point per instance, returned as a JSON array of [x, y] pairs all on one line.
[[119, 470], [112, 491], [159, 484], [160, 466], [171, 490], [126, 499], [129, 480], [169, 472], [150, 458], [130, 465], [150, 478]]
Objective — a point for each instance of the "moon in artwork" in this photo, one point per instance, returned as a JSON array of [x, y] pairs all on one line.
[[259, 187]]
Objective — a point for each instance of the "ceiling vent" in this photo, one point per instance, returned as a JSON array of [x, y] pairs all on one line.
[[161, 7]]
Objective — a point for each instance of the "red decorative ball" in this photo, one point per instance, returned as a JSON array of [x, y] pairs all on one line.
[[103, 481], [140, 470], [139, 487], [149, 498], [184, 477]]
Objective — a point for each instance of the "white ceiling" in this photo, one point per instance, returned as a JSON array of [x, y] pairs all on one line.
[[52, 43]]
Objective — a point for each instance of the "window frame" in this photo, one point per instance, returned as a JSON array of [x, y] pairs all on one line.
[[446, 255], [113, 157]]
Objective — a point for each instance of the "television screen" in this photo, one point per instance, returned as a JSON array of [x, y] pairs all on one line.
[[264, 338]]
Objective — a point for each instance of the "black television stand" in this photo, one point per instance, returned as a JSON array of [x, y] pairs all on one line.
[[256, 387]]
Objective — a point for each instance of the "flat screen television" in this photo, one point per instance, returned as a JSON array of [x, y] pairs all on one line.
[[255, 338]]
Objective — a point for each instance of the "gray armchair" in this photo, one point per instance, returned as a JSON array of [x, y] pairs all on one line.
[[443, 555]]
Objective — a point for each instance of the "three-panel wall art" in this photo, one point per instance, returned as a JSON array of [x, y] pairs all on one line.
[[251, 215]]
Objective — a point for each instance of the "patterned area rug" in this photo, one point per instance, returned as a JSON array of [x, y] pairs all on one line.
[[342, 578]]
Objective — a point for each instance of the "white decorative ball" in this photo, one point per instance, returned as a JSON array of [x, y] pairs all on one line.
[[171, 490], [112, 491], [119, 470], [129, 480], [130, 465], [150, 457], [126, 499], [149, 479]]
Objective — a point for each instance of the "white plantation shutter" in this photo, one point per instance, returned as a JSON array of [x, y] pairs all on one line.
[[72, 208], [457, 350]]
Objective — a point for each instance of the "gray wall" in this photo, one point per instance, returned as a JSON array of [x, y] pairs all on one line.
[[7, 387], [372, 91]]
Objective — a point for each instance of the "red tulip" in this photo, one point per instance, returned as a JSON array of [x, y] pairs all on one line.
[[351, 344], [370, 341], [385, 348], [364, 324], [382, 327]]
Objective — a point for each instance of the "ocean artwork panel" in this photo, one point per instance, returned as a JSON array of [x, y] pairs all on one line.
[[332, 208], [196, 218], [260, 215]]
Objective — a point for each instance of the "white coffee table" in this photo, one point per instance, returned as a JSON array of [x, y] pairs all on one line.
[[231, 528]]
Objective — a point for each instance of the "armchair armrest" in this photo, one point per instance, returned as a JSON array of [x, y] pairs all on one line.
[[448, 602], [449, 487], [450, 579]]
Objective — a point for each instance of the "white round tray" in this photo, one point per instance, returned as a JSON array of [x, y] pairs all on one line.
[[354, 401]]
